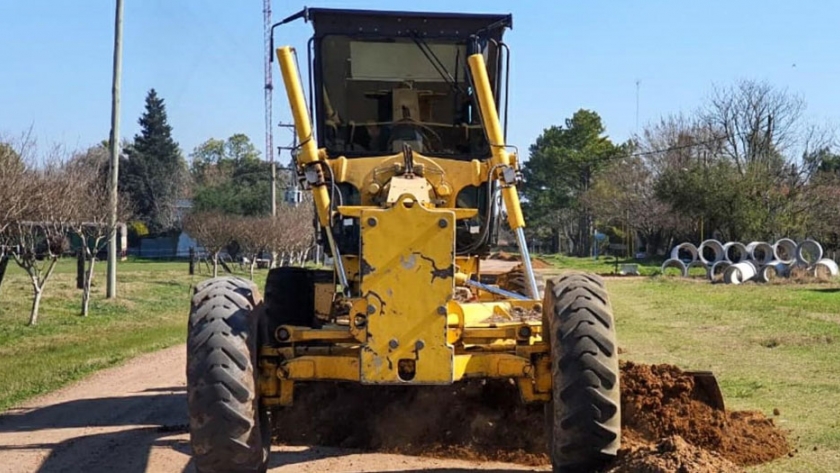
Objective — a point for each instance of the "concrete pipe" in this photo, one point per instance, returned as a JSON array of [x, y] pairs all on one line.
[[785, 251], [685, 252], [809, 252], [760, 252], [773, 270], [675, 263], [826, 268], [711, 251], [716, 270], [800, 271], [735, 252], [695, 265], [739, 273]]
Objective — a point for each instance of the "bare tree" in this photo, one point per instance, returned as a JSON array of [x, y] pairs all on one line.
[[13, 201], [213, 231], [90, 220], [39, 237], [625, 194], [255, 236], [293, 233], [757, 123]]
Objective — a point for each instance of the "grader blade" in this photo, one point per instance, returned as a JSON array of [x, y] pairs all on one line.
[[706, 389]]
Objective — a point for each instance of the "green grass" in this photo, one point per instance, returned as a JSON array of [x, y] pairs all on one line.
[[605, 265], [771, 347], [149, 314]]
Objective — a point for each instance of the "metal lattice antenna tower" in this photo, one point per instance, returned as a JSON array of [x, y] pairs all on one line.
[[269, 88]]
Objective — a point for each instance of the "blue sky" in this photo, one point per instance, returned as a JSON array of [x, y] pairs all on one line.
[[205, 58]]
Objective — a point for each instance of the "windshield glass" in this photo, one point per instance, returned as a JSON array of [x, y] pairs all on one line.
[[378, 95]]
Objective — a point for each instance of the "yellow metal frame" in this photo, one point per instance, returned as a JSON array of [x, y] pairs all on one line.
[[463, 339]]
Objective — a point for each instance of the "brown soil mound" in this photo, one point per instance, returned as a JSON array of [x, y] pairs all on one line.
[[659, 401], [535, 262], [472, 420], [670, 455], [665, 426]]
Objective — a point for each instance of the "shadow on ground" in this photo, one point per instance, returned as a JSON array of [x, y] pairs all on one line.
[[163, 419], [137, 425]]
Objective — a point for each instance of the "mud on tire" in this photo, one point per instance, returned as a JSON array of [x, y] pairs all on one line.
[[583, 417], [228, 431], [516, 281]]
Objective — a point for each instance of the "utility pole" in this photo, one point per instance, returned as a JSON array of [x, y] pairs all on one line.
[[115, 152], [269, 88], [637, 105]]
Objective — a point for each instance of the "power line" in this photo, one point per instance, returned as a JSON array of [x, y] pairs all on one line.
[[678, 147]]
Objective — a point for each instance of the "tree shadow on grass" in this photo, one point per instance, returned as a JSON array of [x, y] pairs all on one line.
[[827, 290]]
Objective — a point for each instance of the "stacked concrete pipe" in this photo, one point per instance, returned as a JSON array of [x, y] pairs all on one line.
[[826, 267], [675, 263], [739, 273], [808, 252], [735, 252], [711, 251], [772, 270], [717, 270], [785, 251], [735, 263], [761, 252]]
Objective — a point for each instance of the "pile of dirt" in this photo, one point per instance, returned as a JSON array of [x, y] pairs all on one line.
[[666, 426], [670, 455], [536, 263], [659, 401], [472, 420]]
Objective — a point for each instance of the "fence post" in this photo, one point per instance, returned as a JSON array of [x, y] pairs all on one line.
[[80, 269], [192, 261], [4, 263]]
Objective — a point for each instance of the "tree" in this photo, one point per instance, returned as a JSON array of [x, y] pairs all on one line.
[[153, 172], [741, 165], [756, 123], [228, 176], [254, 236], [13, 200], [293, 233], [562, 164], [90, 220], [624, 194], [212, 230], [38, 237]]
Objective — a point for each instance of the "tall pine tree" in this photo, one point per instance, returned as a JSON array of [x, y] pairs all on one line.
[[153, 171]]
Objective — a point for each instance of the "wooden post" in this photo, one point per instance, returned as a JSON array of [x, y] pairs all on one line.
[[80, 269], [192, 261], [4, 263]]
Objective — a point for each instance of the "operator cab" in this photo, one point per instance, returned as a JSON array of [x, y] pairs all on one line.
[[380, 81], [384, 79]]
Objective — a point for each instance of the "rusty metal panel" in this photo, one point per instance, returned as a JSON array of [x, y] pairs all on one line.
[[407, 278]]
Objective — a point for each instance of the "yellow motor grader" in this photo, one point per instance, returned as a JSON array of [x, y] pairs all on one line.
[[409, 171]]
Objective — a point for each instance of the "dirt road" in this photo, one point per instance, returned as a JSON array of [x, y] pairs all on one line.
[[133, 419]]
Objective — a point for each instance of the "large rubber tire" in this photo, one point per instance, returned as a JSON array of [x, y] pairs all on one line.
[[228, 431], [584, 415], [516, 281]]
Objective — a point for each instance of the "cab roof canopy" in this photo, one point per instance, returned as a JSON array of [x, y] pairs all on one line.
[[329, 21]]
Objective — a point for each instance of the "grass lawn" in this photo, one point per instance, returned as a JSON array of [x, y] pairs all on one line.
[[604, 265], [771, 347], [149, 314]]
